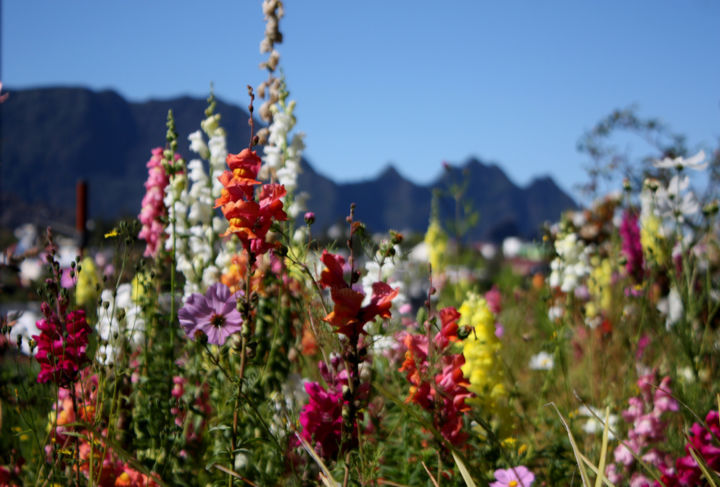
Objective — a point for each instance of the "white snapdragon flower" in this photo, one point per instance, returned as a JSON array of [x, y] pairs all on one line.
[[197, 144], [115, 325], [572, 263]]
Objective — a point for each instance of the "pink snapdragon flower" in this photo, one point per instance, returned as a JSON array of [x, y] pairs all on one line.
[[153, 212], [646, 435]]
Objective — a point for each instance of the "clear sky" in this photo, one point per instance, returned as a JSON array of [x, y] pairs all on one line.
[[414, 83]]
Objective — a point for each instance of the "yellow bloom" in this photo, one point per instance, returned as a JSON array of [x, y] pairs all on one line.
[[652, 240], [600, 287], [141, 283], [87, 284], [481, 350], [436, 241]]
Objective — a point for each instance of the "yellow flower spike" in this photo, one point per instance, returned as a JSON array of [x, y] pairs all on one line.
[[436, 241], [523, 449], [140, 284], [87, 283], [481, 349], [112, 233]]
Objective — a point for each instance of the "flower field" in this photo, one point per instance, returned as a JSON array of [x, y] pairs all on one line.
[[220, 338]]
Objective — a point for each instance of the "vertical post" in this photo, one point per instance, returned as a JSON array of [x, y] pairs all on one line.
[[81, 214]]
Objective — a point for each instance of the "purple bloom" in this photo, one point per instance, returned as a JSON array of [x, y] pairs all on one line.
[[518, 476], [214, 314]]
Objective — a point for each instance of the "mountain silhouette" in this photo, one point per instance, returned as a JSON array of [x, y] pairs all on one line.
[[51, 137]]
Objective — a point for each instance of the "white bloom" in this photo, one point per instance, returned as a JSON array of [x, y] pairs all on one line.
[[197, 144], [542, 361], [675, 201], [511, 247], [25, 327], [555, 312], [594, 425], [121, 319], [679, 163], [30, 270], [672, 308], [572, 263]]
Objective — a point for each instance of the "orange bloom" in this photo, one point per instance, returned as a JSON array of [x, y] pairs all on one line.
[[249, 219]]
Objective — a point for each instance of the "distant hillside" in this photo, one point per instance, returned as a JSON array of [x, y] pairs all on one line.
[[51, 137]]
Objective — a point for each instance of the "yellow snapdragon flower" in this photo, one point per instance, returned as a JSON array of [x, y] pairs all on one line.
[[436, 240], [86, 289], [481, 350]]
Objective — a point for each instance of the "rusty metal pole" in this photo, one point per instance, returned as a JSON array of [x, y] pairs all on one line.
[[81, 214]]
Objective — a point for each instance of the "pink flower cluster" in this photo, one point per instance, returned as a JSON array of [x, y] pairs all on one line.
[[645, 415], [444, 395], [61, 346], [321, 418], [631, 245], [704, 441], [153, 212]]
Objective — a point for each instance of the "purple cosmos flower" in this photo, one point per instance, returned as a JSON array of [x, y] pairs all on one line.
[[214, 314], [513, 477]]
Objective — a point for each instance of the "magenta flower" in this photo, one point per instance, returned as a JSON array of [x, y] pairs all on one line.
[[631, 246], [214, 314], [61, 347], [518, 476], [321, 419]]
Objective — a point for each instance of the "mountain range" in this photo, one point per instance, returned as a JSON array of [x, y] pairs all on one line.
[[51, 137]]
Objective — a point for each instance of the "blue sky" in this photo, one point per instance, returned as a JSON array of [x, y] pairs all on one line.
[[414, 83]]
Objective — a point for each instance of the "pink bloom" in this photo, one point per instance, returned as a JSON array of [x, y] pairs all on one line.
[[321, 419], [493, 297], [518, 476], [631, 246], [153, 210], [66, 280], [663, 401]]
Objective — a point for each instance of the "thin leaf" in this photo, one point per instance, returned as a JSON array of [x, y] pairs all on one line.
[[430, 475], [603, 450], [233, 474], [576, 451], [701, 463], [328, 478], [463, 471], [592, 467]]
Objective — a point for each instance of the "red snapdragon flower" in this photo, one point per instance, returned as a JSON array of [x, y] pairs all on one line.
[[348, 314], [445, 396], [249, 218]]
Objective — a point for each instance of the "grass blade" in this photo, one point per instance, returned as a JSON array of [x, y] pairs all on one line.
[[463, 471]]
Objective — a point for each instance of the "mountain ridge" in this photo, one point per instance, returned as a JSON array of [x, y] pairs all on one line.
[[52, 136]]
